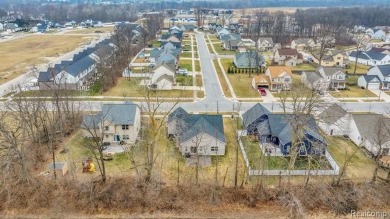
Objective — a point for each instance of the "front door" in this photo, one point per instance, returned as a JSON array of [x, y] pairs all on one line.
[[117, 138]]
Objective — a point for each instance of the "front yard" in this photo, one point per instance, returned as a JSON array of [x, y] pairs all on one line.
[[221, 51], [354, 91], [131, 88], [304, 67], [360, 69], [185, 64], [222, 80]]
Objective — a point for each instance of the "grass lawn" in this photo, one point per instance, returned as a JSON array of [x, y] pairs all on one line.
[[96, 30], [242, 85], [131, 88], [186, 64], [210, 48], [218, 48], [303, 67], [141, 60], [257, 160], [186, 54], [198, 80], [184, 80], [360, 166], [40, 49], [213, 37], [197, 66], [222, 80], [346, 101], [50, 93], [187, 48], [352, 80], [353, 91], [360, 69]]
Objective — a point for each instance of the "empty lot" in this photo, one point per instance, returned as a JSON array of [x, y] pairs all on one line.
[[17, 55]]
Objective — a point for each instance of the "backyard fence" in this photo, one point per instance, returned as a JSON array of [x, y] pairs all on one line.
[[252, 172]]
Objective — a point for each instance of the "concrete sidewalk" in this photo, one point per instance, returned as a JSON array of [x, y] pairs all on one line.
[[381, 95]]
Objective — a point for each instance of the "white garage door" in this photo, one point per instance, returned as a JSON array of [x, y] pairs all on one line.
[[373, 86]]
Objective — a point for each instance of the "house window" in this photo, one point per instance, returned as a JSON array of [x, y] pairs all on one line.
[[214, 148], [193, 150], [125, 127], [125, 137], [106, 128]]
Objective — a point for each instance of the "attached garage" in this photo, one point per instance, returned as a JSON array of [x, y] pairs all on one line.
[[369, 82]]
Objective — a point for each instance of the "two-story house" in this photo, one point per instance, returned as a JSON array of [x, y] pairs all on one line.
[[334, 58], [280, 78], [249, 59], [301, 44], [287, 57], [334, 77], [197, 134], [115, 123], [377, 77], [265, 44]]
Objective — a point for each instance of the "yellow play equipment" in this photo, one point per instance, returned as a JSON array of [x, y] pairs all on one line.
[[88, 166]]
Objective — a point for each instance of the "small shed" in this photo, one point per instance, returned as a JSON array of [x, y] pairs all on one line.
[[61, 168]]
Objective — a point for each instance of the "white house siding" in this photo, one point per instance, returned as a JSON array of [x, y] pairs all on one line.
[[339, 128], [204, 142], [164, 84], [354, 134]]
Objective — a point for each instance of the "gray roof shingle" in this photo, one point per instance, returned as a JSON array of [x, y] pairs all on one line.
[[119, 114], [332, 114]]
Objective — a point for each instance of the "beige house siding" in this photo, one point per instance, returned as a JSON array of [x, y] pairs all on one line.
[[204, 142]]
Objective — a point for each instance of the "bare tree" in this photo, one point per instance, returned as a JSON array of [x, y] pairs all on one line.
[[361, 41]]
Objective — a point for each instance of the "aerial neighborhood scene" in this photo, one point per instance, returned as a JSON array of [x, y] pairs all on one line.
[[194, 109]]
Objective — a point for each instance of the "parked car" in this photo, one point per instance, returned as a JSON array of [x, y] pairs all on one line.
[[182, 71], [262, 92]]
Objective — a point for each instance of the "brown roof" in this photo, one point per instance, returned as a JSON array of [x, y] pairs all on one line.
[[275, 71], [288, 52], [261, 79]]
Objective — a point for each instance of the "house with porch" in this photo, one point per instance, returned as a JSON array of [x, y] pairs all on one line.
[[197, 134], [287, 57], [115, 123], [280, 78], [334, 77], [265, 44]]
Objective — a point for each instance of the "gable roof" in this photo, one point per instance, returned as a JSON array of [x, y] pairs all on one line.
[[79, 66], [160, 71], [276, 71], [371, 78], [312, 77], [372, 127], [329, 71], [254, 113], [384, 69], [119, 114], [332, 114], [303, 40], [261, 78], [265, 40], [178, 113], [288, 52]]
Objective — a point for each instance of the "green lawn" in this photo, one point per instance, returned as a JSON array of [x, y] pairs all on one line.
[[213, 37], [50, 93], [360, 166], [210, 48], [186, 64], [197, 66], [353, 91], [184, 80], [131, 88], [303, 67], [257, 160], [186, 54], [361, 69], [198, 80], [219, 49], [352, 80], [242, 85], [222, 80]]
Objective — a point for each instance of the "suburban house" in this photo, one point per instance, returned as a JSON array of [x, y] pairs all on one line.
[[280, 78], [371, 132], [115, 123], [197, 134], [334, 120], [301, 44], [324, 78], [334, 58], [334, 76], [250, 59], [1, 27], [222, 31], [274, 132], [372, 57], [287, 57], [163, 78], [265, 44], [79, 73], [377, 77], [253, 118], [377, 34]]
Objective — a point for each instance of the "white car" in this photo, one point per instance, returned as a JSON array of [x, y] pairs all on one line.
[[182, 71]]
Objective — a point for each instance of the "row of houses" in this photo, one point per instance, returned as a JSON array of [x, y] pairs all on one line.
[[80, 72], [372, 57]]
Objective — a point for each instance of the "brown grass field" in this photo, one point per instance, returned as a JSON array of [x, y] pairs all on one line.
[[92, 30], [18, 55]]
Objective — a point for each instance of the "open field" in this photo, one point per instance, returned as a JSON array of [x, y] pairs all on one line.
[[40, 49], [222, 80], [131, 88], [94, 30], [353, 91]]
